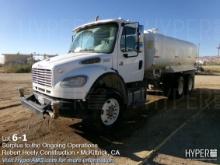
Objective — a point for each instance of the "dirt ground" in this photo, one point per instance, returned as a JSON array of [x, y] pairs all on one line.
[[143, 131]]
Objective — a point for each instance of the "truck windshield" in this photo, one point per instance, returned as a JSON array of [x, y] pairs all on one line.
[[97, 38]]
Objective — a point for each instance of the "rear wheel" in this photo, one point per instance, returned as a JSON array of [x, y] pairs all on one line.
[[180, 87], [189, 84], [174, 86]]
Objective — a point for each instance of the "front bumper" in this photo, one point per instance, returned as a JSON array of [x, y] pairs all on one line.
[[50, 107], [54, 107]]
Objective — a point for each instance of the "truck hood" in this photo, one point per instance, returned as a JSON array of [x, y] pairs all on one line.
[[66, 64], [71, 58]]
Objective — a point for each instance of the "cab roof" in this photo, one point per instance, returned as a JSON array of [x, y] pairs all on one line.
[[101, 21]]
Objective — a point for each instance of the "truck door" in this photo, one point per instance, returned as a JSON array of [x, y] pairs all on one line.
[[130, 58]]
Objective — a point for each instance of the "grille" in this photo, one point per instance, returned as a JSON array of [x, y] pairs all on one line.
[[42, 76]]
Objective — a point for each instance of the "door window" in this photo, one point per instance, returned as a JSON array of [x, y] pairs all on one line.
[[128, 39]]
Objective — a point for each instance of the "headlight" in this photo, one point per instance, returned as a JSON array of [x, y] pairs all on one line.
[[76, 81]]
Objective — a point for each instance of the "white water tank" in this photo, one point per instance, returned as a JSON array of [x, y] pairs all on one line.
[[168, 53]]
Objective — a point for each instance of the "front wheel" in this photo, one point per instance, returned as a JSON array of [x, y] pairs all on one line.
[[105, 109], [110, 111]]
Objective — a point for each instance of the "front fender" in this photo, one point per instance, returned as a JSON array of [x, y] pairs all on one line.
[[80, 93]]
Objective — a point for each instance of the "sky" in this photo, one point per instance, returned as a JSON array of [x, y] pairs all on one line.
[[45, 26]]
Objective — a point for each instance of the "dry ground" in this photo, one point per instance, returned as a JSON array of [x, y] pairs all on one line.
[[139, 134], [212, 68]]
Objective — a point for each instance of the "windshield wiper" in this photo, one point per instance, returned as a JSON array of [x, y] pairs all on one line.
[[83, 50], [87, 50]]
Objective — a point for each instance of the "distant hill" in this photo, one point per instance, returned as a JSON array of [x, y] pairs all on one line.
[[213, 60]]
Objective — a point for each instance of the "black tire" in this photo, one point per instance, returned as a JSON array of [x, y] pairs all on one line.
[[189, 84], [96, 101], [167, 86]]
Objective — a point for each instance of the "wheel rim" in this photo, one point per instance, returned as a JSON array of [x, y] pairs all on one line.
[[110, 111], [190, 84], [180, 86]]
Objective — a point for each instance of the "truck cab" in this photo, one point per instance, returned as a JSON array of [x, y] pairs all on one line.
[[104, 58]]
